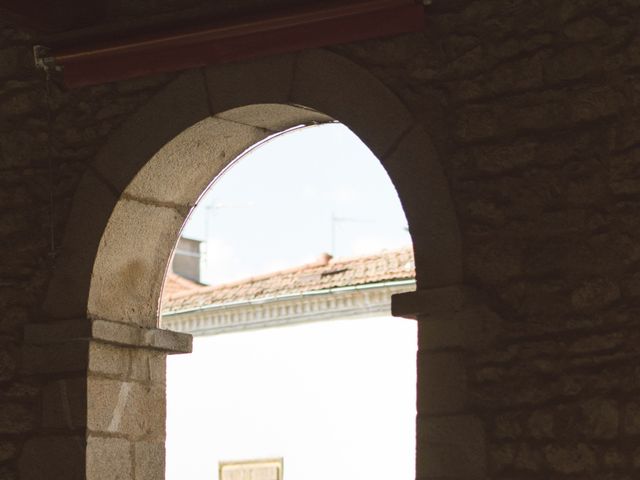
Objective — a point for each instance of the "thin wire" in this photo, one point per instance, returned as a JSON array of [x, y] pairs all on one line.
[[52, 230]]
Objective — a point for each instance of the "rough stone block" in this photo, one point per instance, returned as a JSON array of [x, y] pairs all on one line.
[[149, 460], [623, 173], [127, 280], [109, 459], [109, 360], [183, 169], [451, 447], [571, 459], [439, 302], [477, 122], [64, 404], [7, 363], [16, 418], [570, 63], [274, 117], [56, 358], [53, 457], [19, 103], [434, 334], [614, 459], [19, 150], [13, 320], [8, 450], [586, 28], [131, 335], [473, 328], [13, 61], [442, 383], [126, 408], [69, 288], [168, 341], [602, 418], [540, 425], [631, 421], [417, 175], [8, 472], [20, 391], [595, 294], [57, 332], [266, 80], [593, 103], [337, 87], [117, 332], [176, 107], [148, 366]]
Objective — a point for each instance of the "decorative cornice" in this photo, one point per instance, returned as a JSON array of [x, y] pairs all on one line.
[[346, 302]]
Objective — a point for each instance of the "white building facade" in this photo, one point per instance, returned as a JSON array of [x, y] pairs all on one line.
[[342, 357]]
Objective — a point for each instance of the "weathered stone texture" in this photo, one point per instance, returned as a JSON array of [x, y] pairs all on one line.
[[109, 459], [49, 457], [29, 145], [16, 418], [534, 108]]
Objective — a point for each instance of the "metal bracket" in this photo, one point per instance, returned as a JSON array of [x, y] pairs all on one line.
[[43, 60]]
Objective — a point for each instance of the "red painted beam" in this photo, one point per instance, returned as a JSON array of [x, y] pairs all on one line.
[[246, 38]]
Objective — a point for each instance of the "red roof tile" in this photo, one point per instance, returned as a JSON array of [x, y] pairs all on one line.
[[323, 274], [176, 284]]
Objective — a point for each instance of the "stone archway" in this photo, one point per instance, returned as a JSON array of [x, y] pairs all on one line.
[[128, 212], [159, 199], [315, 79]]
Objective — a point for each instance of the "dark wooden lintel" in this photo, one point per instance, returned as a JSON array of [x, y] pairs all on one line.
[[244, 38]]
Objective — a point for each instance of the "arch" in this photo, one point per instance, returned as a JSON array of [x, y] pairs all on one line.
[[124, 267], [125, 218], [138, 191]]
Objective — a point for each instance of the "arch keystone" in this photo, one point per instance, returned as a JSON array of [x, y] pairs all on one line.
[[336, 86], [265, 80]]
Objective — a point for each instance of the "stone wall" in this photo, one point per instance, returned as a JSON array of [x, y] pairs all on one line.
[[82, 120], [534, 108]]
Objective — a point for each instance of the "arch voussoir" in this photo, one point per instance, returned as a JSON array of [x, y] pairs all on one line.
[[275, 117], [179, 105], [414, 167], [265, 80], [335, 86]]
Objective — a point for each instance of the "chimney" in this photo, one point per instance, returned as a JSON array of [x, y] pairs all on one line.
[[324, 259], [186, 259]]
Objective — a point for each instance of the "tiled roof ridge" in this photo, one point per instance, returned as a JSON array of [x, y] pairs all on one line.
[[184, 280], [248, 280], [325, 273], [318, 263], [175, 281]]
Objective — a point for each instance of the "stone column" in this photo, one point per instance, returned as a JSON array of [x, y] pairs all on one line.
[[103, 406], [452, 323]]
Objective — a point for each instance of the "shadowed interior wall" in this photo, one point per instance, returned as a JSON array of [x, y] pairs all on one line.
[[532, 110]]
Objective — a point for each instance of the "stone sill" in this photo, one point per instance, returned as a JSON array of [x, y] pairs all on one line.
[[106, 331], [432, 301]]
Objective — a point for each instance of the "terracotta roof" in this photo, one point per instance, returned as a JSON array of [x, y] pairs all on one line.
[[176, 284], [322, 274]]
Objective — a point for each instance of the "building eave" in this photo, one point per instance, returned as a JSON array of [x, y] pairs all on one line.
[[341, 302]]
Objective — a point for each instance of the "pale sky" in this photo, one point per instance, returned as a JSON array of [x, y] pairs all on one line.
[[273, 209], [336, 399]]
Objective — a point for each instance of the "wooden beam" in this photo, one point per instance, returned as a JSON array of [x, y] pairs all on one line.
[[244, 38]]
